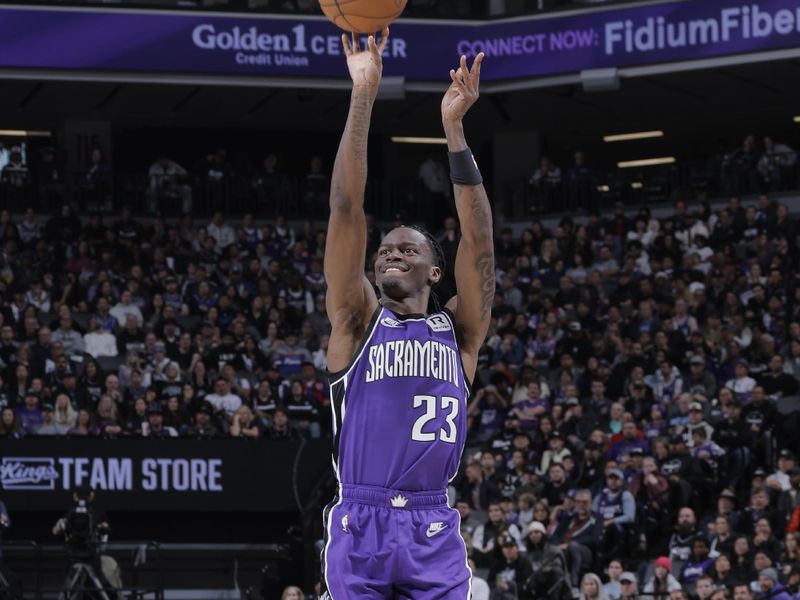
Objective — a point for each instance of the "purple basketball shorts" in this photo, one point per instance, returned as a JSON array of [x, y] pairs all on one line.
[[392, 544]]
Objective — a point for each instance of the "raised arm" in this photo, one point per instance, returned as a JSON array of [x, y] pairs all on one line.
[[474, 267], [350, 298]]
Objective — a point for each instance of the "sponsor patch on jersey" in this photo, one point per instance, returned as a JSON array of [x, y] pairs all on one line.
[[390, 322], [439, 323]]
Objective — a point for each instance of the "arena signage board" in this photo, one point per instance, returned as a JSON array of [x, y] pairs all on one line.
[[114, 40], [40, 474]]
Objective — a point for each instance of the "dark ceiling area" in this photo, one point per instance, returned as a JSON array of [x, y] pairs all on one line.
[[702, 113]]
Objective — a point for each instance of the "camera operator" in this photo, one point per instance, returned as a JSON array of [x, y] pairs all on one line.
[[85, 531]]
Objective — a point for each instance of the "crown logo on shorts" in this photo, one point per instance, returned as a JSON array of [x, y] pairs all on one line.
[[399, 501]]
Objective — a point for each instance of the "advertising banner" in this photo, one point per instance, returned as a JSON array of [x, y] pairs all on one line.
[[171, 475], [263, 46]]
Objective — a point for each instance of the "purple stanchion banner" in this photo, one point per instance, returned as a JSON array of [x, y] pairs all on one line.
[[191, 43]]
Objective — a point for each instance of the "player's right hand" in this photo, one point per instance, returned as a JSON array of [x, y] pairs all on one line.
[[366, 66]]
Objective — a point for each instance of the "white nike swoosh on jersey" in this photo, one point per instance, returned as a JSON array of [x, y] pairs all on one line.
[[432, 532]]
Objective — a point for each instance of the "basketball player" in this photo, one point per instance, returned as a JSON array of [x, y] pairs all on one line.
[[400, 370]]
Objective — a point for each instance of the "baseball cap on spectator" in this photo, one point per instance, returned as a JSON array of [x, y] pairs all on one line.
[[572, 401], [155, 409], [729, 494], [664, 561], [697, 360], [769, 573], [575, 326], [490, 389], [759, 472], [696, 287], [616, 473], [627, 576], [204, 407], [47, 407], [786, 453], [695, 406], [536, 526], [531, 469], [637, 451], [31, 392]]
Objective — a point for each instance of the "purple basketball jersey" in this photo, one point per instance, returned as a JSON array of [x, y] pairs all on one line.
[[399, 409]]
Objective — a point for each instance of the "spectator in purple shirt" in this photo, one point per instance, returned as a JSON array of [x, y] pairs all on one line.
[[630, 439], [531, 408], [29, 415]]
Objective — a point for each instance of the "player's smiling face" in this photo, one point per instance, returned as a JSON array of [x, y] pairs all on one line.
[[405, 264]]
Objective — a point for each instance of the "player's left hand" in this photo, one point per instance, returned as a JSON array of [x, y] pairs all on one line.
[[464, 90]]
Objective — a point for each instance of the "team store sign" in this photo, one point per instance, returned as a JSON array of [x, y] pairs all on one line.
[[111, 474], [40, 473]]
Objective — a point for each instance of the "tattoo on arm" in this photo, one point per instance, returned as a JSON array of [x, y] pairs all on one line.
[[350, 168], [360, 129], [484, 265], [478, 201]]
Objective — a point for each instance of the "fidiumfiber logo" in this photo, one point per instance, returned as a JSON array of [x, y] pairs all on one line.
[[34, 473]]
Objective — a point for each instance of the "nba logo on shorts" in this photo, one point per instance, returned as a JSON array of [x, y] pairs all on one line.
[[439, 323]]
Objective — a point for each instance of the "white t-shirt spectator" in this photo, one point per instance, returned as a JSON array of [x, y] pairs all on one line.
[[741, 387], [121, 311], [100, 343], [223, 234], [40, 300], [480, 589], [782, 479], [229, 403]]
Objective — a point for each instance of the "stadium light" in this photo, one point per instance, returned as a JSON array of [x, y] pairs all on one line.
[[418, 140], [24, 133], [603, 188], [636, 135], [646, 162], [797, 119], [637, 185]]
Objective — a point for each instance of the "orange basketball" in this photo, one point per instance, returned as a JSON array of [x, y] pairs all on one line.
[[362, 16]]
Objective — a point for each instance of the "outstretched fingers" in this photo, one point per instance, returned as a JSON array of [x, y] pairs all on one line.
[[348, 50], [384, 40], [475, 74], [464, 70], [373, 47], [458, 82]]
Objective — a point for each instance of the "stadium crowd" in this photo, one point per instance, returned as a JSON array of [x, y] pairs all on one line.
[[625, 438]]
